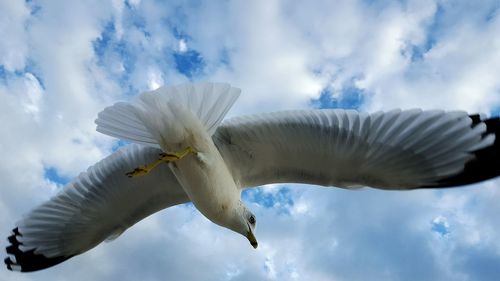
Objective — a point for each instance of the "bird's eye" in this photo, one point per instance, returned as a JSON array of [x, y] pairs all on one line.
[[251, 219]]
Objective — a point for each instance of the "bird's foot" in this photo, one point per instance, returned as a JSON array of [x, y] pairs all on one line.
[[139, 171], [175, 156], [164, 157]]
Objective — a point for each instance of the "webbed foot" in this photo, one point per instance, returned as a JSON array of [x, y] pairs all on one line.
[[164, 157]]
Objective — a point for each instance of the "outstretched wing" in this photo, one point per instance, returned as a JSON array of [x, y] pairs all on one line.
[[99, 204], [345, 148]]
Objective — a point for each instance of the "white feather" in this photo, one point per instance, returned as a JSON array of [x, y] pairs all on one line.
[[100, 204], [152, 118], [391, 150]]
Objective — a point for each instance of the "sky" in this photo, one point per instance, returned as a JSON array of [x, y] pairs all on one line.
[[61, 62]]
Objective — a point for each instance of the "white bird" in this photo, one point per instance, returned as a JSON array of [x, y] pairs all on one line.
[[182, 152]]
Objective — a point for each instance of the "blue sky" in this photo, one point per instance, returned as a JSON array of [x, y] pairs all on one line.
[[64, 62]]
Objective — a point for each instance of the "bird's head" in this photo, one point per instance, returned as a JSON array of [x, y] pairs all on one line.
[[244, 222]]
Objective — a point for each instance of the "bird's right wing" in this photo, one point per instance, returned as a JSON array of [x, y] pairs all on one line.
[[390, 150], [99, 204]]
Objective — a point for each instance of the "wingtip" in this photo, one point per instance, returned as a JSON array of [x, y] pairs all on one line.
[[27, 261], [11, 265], [8, 263], [486, 162]]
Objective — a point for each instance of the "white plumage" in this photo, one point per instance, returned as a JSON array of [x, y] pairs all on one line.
[[100, 203], [333, 147]]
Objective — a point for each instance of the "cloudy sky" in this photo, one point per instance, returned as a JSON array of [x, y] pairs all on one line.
[[61, 62]]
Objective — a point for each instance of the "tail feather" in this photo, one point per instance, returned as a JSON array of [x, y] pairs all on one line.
[[148, 119]]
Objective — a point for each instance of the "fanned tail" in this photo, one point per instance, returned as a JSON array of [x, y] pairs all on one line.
[[157, 117]]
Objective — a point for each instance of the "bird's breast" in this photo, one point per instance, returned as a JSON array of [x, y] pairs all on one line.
[[207, 181]]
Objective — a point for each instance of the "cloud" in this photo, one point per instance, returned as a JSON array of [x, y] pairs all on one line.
[[14, 46], [64, 62]]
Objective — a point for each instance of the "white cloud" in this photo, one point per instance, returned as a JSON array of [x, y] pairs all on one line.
[[182, 46], [14, 46], [268, 58], [281, 54], [155, 79]]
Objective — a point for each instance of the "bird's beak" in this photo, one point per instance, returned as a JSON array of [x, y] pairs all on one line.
[[251, 238]]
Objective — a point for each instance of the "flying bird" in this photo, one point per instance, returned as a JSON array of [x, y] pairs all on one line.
[[182, 151]]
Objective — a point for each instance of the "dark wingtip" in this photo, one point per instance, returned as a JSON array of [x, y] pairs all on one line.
[[8, 263], [27, 261], [486, 164]]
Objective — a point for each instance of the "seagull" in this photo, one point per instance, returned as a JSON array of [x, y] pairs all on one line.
[[182, 151]]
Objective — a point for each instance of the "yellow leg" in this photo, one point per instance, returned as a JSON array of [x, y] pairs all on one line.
[[164, 157]]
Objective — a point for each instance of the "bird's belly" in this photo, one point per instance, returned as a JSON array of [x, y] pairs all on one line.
[[208, 183]]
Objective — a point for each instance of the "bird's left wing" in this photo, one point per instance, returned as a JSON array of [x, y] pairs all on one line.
[[99, 204], [344, 148]]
